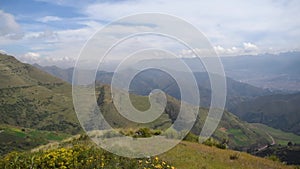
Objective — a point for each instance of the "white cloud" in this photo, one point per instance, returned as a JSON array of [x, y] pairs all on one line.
[[9, 28], [31, 57], [227, 23], [49, 19], [246, 48], [233, 27], [3, 52], [250, 46], [47, 34]]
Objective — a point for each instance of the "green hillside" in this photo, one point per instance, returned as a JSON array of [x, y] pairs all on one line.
[[34, 99], [19, 139], [79, 152], [240, 135], [281, 111]]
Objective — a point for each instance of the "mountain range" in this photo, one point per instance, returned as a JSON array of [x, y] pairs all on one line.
[[33, 100], [278, 109]]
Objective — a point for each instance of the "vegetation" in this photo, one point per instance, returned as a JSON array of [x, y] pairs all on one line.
[[17, 139], [31, 98], [288, 154], [41, 106], [78, 157], [80, 152], [280, 111]]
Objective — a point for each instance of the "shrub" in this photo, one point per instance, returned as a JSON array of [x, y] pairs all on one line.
[[273, 158], [234, 156], [143, 132], [191, 137]]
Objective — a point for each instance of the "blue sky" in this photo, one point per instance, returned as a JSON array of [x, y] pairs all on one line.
[[53, 31]]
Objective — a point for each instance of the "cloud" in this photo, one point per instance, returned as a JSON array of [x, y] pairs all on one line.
[[233, 27], [49, 19], [249, 46], [34, 57], [3, 52], [47, 34], [9, 28], [246, 48], [30, 57], [227, 23]]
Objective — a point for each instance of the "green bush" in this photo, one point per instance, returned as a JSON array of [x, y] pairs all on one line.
[[191, 137], [273, 158]]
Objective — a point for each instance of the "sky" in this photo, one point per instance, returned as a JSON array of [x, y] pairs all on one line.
[[53, 32]]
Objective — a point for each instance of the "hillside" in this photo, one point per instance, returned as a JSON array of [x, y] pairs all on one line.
[[79, 152], [20, 139], [240, 135], [151, 79], [281, 111], [34, 99]]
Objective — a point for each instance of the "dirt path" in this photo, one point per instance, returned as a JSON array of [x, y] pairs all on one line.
[[264, 147]]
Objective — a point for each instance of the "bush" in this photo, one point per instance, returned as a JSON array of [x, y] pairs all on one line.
[[234, 156], [273, 158], [191, 137], [211, 142], [143, 132]]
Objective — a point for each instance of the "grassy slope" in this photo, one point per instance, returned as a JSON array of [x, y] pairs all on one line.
[[279, 136], [281, 111], [188, 155], [34, 99], [241, 135], [18, 139], [185, 155]]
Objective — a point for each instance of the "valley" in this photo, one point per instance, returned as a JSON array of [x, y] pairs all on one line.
[[36, 111]]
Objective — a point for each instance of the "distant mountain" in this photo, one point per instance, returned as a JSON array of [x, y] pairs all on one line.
[[273, 71], [151, 79], [32, 98], [250, 103], [64, 74], [241, 135], [280, 111]]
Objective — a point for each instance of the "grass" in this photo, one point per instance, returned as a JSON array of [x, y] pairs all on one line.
[[279, 136], [79, 152], [20, 139], [189, 155], [239, 137]]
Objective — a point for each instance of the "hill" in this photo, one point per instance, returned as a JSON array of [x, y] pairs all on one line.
[[31, 98], [281, 111], [151, 79], [240, 135], [79, 152], [20, 139], [35, 99]]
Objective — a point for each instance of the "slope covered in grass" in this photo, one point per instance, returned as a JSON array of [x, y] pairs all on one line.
[[80, 152], [34, 99], [18, 139]]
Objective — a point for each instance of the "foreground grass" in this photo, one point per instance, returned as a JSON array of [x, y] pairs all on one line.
[[189, 155], [80, 153]]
